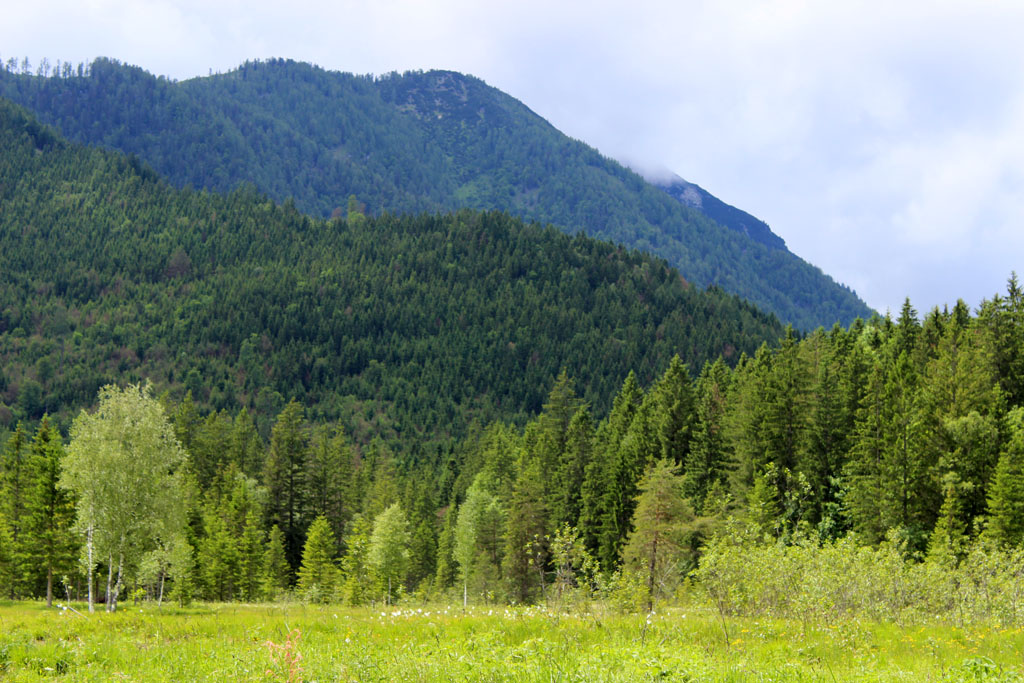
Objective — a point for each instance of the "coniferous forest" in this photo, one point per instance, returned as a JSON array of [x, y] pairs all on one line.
[[216, 397]]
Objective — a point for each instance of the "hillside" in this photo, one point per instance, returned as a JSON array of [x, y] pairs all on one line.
[[411, 325], [434, 141]]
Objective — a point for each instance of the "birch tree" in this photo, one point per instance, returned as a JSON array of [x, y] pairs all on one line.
[[122, 464]]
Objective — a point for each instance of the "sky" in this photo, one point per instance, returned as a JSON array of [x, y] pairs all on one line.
[[884, 141]]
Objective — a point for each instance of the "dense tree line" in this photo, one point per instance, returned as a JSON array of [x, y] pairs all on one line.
[[903, 433], [435, 141]]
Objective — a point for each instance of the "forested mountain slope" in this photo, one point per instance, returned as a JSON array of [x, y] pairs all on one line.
[[409, 325], [434, 141]]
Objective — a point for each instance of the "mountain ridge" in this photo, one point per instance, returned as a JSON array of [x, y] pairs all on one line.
[[412, 142]]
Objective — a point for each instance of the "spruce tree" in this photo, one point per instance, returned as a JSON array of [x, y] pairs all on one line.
[[526, 547], [14, 475], [1006, 494], [567, 503], [356, 573], [284, 477], [50, 510], [708, 460]]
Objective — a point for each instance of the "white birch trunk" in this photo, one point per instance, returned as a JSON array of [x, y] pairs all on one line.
[[112, 601], [88, 547], [110, 581]]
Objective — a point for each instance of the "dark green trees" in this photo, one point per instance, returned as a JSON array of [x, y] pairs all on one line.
[[285, 478], [49, 512]]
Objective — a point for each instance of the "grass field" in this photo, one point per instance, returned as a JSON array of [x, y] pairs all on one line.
[[252, 643]]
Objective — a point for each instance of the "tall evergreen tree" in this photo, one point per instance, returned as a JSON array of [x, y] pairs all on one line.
[[1006, 494], [284, 477], [567, 502], [275, 572], [526, 546], [14, 480], [50, 510], [329, 479], [708, 460]]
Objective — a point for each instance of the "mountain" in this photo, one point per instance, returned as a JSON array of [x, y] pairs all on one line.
[[697, 197], [405, 326], [435, 141]]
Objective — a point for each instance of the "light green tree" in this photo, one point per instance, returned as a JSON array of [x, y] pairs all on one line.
[[388, 553], [275, 565], [123, 465], [479, 532], [318, 574]]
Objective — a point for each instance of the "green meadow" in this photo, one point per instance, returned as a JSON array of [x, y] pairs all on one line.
[[303, 643]]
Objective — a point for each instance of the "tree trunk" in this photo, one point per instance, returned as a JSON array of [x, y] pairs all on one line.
[[160, 597], [112, 600], [49, 586], [650, 573], [88, 546], [110, 581]]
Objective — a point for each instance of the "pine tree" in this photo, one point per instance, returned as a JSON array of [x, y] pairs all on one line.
[[357, 585], [602, 492], [674, 412], [948, 542], [447, 568], [250, 557], [708, 461], [567, 504], [7, 566], [328, 479], [218, 556], [246, 445]]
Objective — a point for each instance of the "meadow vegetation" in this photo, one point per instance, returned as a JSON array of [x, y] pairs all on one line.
[[299, 642]]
